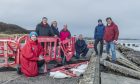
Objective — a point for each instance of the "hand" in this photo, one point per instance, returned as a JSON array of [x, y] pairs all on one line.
[[55, 36], [115, 41], [104, 42], [41, 57]]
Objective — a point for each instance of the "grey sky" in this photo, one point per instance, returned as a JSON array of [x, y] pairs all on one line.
[[80, 15]]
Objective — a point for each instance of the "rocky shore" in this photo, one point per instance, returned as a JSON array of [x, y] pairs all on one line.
[[130, 54]]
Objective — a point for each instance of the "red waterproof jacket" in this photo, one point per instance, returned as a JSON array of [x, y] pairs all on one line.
[[111, 33], [64, 35], [29, 57]]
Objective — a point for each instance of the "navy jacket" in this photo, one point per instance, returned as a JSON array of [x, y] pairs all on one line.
[[80, 46], [99, 32]]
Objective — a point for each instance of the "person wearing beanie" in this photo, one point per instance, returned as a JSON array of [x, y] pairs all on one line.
[[31, 56], [98, 37]]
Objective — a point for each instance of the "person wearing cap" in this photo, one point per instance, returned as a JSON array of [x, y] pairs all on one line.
[[44, 29], [110, 37], [98, 37], [31, 56]]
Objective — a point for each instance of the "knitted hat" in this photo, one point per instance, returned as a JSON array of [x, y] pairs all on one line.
[[99, 20], [33, 33]]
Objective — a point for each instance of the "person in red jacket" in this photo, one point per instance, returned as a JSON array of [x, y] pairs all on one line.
[[31, 56], [65, 33], [111, 36]]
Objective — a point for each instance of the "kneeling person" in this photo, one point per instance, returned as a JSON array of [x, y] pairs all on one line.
[[31, 56], [81, 47]]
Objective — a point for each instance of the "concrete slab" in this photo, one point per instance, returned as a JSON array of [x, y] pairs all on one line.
[[107, 78]]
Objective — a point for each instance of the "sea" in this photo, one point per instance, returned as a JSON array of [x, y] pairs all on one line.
[[134, 44]]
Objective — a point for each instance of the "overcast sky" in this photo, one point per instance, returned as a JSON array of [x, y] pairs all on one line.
[[80, 15]]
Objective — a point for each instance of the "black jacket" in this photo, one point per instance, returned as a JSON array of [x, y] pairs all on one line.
[[42, 30], [80, 45], [55, 30]]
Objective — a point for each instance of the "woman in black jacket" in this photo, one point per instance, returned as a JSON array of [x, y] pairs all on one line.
[[55, 28]]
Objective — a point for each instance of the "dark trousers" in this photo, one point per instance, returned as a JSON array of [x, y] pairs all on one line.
[[40, 63], [84, 53], [101, 46]]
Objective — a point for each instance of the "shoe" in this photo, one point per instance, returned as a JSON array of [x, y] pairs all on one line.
[[19, 71]]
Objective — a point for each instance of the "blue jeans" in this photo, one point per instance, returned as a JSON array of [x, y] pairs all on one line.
[[111, 45]]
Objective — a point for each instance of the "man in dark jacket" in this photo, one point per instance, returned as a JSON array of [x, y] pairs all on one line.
[[98, 37], [81, 47], [111, 37], [44, 29]]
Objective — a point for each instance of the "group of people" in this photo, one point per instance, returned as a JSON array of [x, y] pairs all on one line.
[[106, 35], [44, 29], [32, 53]]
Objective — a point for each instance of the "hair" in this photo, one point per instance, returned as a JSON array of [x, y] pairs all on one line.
[[53, 23], [99, 20], [108, 18], [44, 18]]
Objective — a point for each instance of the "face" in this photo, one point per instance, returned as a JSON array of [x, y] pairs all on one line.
[[33, 37], [100, 23], [65, 28], [44, 21], [55, 24], [80, 37], [109, 21]]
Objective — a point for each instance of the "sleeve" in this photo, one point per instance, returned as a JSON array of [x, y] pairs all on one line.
[[116, 33], [76, 46], [41, 50], [104, 37], [58, 33], [28, 53], [84, 46], [51, 33], [69, 34], [37, 30]]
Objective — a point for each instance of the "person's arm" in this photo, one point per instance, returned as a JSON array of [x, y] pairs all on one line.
[[104, 37], [76, 46], [51, 33], [58, 34], [28, 53], [41, 50], [116, 33], [84, 46], [69, 35]]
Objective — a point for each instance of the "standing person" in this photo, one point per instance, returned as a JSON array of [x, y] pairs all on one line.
[[98, 37], [81, 47], [32, 56], [65, 33], [111, 37], [43, 28], [55, 29]]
